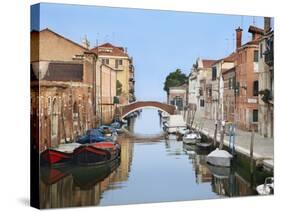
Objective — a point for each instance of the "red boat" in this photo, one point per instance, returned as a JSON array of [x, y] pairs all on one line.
[[96, 153], [58, 156], [52, 157]]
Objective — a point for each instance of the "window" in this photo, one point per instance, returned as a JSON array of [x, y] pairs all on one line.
[[214, 73], [237, 89], [200, 91], [255, 115], [210, 92], [202, 102], [233, 83], [256, 88], [256, 56], [118, 62], [261, 50], [230, 83], [178, 102]]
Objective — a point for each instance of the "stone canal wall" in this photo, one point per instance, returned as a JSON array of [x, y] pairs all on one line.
[[263, 147]]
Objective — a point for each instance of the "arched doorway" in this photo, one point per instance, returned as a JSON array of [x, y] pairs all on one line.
[[54, 122]]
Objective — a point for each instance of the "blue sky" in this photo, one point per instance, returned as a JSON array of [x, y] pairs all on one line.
[[159, 41]]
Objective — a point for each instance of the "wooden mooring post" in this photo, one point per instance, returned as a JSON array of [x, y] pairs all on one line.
[[222, 135], [252, 149], [215, 134]]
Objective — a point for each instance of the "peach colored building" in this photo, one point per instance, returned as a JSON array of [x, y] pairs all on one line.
[[118, 59]]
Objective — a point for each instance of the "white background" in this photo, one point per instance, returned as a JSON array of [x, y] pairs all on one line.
[[14, 113]]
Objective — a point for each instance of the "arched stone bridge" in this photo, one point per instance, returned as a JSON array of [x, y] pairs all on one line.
[[125, 110]]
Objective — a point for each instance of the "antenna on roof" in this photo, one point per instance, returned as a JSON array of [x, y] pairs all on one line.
[[242, 21], [113, 37], [227, 45], [254, 20], [86, 42], [106, 38], [233, 42]]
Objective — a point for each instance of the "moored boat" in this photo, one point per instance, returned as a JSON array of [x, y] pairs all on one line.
[[219, 158], [60, 155], [92, 136], [204, 145], [108, 132], [266, 188], [191, 138], [96, 153], [174, 124]]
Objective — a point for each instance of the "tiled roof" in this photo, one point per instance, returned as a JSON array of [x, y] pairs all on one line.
[[48, 30], [61, 72], [109, 50], [208, 63], [230, 58]]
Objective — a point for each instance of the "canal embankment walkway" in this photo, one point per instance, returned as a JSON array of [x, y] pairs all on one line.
[[263, 150]]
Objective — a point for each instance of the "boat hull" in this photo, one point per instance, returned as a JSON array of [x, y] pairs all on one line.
[[191, 140], [219, 158], [174, 129], [91, 155], [55, 158]]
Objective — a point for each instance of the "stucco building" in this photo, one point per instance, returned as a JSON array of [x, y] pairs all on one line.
[[266, 81], [229, 97], [217, 84], [178, 96], [118, 59]]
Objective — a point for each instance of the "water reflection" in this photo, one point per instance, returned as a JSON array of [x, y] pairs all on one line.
[[162, 170]]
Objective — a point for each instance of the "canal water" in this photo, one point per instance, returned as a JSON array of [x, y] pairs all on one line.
[[151, 169]]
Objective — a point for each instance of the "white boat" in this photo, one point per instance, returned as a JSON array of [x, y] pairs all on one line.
[[219, 158], [204, 145], [191, 138], [219, 172], [266, 188], [183, 131], [174, 124]]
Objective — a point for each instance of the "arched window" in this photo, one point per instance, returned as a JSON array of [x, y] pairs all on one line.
[[54, 118]]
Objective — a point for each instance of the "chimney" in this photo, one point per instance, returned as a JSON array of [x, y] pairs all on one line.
[[267, 25], [238, 37]]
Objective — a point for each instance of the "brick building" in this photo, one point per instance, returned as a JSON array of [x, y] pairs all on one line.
[[246, 65], [62, 91]]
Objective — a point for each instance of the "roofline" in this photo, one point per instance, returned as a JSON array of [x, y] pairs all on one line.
[[67, 39]]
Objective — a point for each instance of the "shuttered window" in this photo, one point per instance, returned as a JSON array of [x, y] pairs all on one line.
[[256, 88], [256, 56], [255, 115]]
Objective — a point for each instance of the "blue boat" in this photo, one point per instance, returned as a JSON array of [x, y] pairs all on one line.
[[109, 132], [92, 136]]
